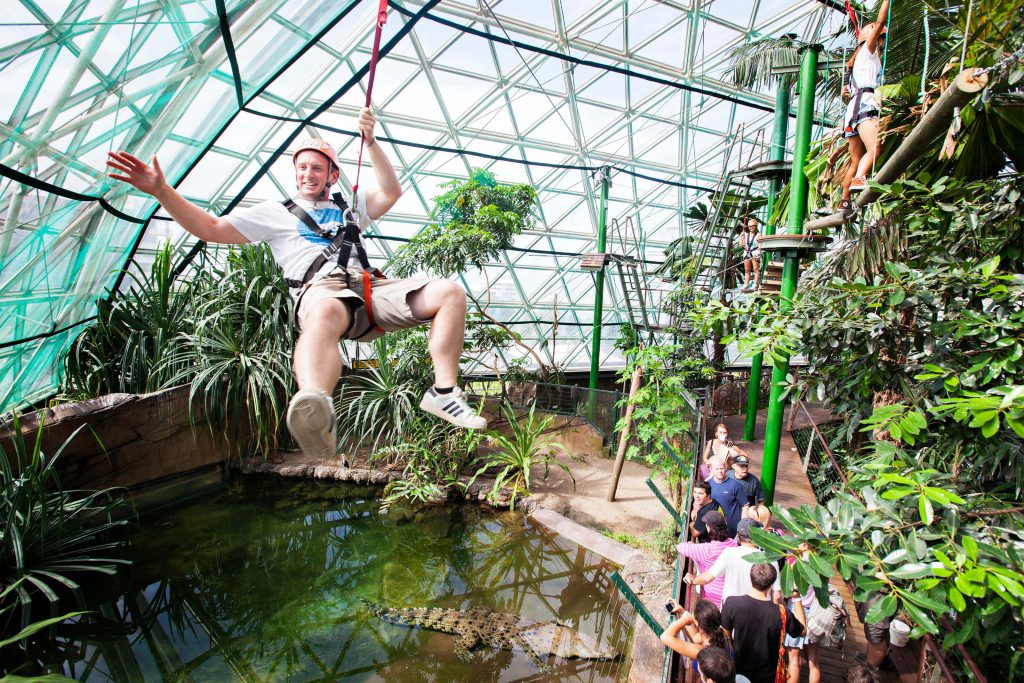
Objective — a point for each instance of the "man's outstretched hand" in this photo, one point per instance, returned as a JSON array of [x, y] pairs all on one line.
[[135, 172]]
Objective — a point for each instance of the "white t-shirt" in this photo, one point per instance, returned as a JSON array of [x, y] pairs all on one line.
[[734, 567], [291, 241]]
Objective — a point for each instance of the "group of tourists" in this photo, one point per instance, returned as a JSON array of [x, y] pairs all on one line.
[[741, 627]]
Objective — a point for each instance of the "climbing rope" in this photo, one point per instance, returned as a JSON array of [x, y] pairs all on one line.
[[927, 52], [382, 18]]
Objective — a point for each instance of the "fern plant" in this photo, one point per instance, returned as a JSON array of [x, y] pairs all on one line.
[[51, 539], [519, 452]]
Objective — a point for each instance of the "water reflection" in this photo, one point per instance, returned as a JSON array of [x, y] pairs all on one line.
[[264, 581]]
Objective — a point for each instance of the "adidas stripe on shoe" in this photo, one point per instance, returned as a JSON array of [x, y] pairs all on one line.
[[452, 407]]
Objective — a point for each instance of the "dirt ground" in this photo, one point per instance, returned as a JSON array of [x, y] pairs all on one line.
[[635, 510]]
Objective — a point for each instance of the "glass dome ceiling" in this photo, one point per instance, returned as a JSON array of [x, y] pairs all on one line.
[[537, 91]]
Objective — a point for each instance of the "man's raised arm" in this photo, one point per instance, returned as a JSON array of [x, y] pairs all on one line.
[[380, 199], [150, 179]]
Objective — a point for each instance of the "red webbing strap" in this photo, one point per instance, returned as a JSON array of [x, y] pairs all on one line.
[[368, 303], [853, 19], [382, 18]]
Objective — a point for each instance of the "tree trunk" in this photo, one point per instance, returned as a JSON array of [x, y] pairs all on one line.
[[620, 455]]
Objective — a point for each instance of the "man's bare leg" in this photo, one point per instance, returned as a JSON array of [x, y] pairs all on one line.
[[445, 303], [317, 362], [317, 358], [856, 153]]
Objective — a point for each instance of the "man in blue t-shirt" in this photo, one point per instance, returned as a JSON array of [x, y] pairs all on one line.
[[728, 493]]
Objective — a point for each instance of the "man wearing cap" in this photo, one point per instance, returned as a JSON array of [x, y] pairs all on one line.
[[728, 493], [752, 485], [733, 565], [332, 302]]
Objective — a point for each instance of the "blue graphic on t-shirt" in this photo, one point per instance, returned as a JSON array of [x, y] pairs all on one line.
[[330, 219]]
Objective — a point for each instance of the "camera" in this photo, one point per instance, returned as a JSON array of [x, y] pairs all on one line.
[[669, 606]]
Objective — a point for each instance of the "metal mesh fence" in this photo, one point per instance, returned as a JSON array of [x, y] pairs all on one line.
[[821, 471], [599, 406]]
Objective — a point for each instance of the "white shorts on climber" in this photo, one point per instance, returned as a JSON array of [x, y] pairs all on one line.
[[452, 407]]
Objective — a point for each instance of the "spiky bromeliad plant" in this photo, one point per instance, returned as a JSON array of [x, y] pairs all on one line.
[[237, 356], [51, 538], [517, 453], [126, 350]]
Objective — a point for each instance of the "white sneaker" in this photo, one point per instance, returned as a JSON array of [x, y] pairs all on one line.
[[311, 421], [452, 408]]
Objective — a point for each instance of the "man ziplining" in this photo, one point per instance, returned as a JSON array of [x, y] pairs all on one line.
[[333, 301]]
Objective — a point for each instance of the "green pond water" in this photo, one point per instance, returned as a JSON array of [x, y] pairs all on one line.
[[264, 581]]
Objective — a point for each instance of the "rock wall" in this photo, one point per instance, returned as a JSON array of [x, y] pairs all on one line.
[[128, 440]]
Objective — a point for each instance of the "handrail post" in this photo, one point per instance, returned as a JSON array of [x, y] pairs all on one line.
[[791, 270], [602, 237], [778, 153]]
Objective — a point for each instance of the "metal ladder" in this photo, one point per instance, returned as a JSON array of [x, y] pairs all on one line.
[[728, 208], [643, 301]]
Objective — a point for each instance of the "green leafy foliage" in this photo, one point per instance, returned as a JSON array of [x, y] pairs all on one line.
[[475, 220], [922, 351], [224, 328], [51, 539], [663, 407], [516, 454], [928, 550]]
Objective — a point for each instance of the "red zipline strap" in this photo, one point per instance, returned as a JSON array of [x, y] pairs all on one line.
[[382, 18], [368, 303], [853, 19]]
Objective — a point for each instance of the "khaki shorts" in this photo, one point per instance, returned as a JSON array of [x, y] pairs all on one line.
[[873, 633], [390, 300]]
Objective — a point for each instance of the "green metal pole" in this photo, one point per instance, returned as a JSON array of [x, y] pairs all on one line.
[[791, 269], [602, 238], [778, 153]]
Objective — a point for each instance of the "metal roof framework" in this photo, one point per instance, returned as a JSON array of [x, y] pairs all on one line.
[[639, 85]]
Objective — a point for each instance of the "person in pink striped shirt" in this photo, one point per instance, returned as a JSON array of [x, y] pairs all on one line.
[[705, 554]]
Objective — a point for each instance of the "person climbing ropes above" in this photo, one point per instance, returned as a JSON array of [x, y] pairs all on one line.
[[751, 255], [333, 301], [860, 124]]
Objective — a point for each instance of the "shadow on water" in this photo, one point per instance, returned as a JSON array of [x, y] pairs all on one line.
[[264, 581]]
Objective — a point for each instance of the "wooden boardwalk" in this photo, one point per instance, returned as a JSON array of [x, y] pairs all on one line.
[[793, 489]]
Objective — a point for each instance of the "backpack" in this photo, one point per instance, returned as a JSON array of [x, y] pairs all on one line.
[[828, 624]]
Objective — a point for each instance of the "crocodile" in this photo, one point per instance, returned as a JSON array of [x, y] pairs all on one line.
[[500, 630]]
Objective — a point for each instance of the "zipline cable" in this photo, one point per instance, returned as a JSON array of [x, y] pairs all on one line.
[[382, 18]]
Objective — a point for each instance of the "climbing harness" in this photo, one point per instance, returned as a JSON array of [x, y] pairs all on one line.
[[349, 235], [342, 241]]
